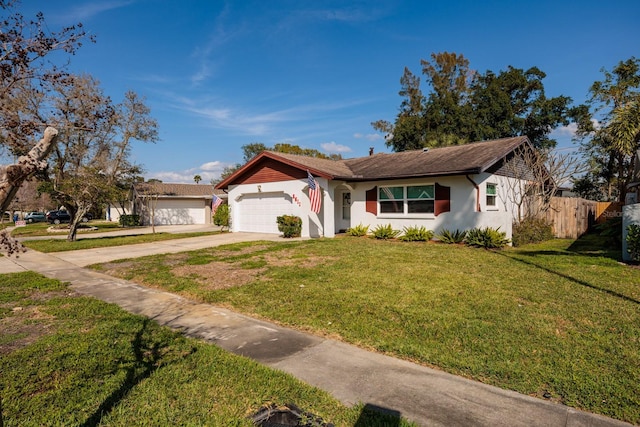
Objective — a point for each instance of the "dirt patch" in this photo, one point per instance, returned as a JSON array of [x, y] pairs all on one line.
[[244, 251], [217, 275], [25, 324]]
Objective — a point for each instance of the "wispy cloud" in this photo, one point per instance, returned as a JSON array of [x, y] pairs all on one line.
[[207, 171], [369, 137], [220, 36], [86, 11], [332, 147]]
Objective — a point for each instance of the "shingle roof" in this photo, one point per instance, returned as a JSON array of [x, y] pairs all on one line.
[[470, 158], [176, 190], [460, 159]]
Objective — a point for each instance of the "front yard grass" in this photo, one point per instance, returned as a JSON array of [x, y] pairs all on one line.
[[558, 320], [72, 360], [61, 245]]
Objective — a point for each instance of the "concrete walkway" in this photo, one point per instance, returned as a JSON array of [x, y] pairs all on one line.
[[426, 396]]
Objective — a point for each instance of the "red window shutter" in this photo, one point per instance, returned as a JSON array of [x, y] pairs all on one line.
[[443, 199], [371, 201]]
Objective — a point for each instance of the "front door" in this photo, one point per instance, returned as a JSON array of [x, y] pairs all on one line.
[[346, 206]]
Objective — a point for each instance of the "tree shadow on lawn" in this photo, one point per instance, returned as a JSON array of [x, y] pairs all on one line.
[[531, 263], [148, 355]]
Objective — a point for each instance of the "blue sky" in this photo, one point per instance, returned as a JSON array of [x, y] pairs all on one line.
[[218, 75]]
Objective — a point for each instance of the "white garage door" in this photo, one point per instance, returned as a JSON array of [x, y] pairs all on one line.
[[258, 212], [179, 212]]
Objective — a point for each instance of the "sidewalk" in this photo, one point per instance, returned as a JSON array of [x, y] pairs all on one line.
[[426, 396]]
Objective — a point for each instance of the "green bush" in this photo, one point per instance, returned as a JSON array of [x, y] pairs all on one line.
[[129, 220], [416, 234], [290, 225], [358, 231], [488, 238], [448, 236], [633, 241], [385, 232], [611, 230], [532, 230], [221, 216]]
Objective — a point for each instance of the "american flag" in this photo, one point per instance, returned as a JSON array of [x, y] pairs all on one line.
[[215, 202], [315, 193]]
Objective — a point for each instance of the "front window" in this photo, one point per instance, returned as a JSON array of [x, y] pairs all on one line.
[[413, 199], [491, 194], [420, 199]]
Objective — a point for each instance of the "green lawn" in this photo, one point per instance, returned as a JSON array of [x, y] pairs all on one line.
[[72, 360], [61, 245], [559, 319]]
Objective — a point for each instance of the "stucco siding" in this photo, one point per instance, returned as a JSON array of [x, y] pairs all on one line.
[[464, 200], [255, 204]]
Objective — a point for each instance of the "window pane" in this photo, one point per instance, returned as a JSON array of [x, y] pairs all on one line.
[[391, 193], [391, 207], [491, 189], [491, 200], [421, 206], [420, 192]]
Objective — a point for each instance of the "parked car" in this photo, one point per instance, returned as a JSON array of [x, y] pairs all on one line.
[[35, 217], [57, 217]]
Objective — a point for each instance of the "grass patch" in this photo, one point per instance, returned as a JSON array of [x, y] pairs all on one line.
[[40, 228], [61, 245], [91, 363], [559, 319]]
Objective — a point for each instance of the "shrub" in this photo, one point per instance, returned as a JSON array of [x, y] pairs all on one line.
[[633, 241], [358, 231], [290, 225], [385, 232], [532, 230], [611, 230], [448, 236], [488, 238], [416, 234], [129, 220], [221, 216]]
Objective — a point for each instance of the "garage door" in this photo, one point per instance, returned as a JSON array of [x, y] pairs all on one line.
[[258, 212], [179, 212]]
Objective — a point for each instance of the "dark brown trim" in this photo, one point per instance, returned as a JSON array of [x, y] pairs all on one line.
[[443, 199], [371, 200]]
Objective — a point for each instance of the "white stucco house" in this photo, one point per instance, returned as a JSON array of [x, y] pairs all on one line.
[[457, 187], [168, 203]]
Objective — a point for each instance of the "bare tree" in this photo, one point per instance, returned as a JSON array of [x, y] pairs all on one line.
[[535, 176], [26, 73]]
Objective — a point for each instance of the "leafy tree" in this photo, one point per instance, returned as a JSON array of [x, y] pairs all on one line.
[[447, 110], [90, 164], [252, 150], [408, 132], [464, 106], [611, 146], [514, 103], [197, 179]]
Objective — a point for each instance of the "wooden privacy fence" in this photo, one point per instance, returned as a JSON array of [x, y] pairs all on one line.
[[571, 216]]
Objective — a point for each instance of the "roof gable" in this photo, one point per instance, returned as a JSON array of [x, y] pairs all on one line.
[[470, 158]]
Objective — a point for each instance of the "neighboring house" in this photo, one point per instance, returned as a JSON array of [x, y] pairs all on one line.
[[458, 187], [169, 204]]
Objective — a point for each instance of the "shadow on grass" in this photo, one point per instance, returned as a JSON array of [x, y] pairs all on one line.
[[377, 416], [563, 275], [148, 354]]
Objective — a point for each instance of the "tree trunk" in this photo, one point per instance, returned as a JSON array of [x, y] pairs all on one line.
[[12, 176]]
